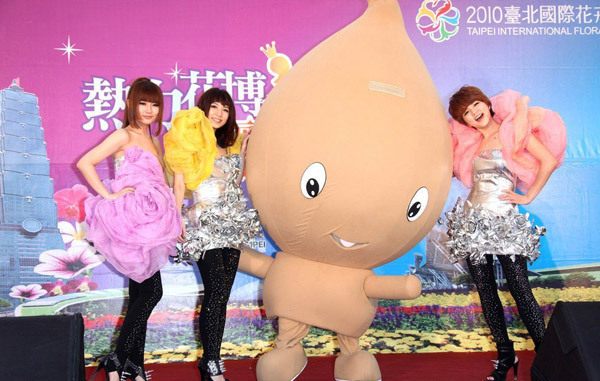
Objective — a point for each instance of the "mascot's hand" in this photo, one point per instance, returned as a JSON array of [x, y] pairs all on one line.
[[392, 287], [254, 262]]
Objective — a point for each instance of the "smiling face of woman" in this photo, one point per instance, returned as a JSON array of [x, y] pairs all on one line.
[[218, 114], [470, 106], [477, 115]]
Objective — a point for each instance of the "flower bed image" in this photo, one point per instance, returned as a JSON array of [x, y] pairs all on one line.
[[449, 322]]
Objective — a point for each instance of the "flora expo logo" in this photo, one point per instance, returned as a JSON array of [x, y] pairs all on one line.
[[438, 19]]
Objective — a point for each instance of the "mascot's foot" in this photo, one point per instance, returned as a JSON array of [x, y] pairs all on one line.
[[357, 366], [281, 364]]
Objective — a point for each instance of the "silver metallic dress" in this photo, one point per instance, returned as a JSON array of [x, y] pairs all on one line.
[[219, 216], [484, 224]]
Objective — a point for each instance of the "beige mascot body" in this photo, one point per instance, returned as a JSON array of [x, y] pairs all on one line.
[[349, 165]]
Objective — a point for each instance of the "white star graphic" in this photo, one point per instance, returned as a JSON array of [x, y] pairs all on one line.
[[174, 73], [69, 49]]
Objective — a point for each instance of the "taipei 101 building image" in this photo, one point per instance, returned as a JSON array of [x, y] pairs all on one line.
[[28, 212]]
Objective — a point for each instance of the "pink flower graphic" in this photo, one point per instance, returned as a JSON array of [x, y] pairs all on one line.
[[74, 285], [70, 202], [29, 292], [68, 264], [56, 288], [81, 285]]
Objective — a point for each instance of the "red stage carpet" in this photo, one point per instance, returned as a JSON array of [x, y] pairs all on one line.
[[405, 367]]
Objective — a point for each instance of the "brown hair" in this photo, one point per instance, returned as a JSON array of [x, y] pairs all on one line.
[[227, 134], [142, 89], [463, 98]]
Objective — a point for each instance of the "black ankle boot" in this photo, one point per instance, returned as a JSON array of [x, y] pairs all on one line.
[[110, 363], [506, 360], [210, 368], [131, 371]]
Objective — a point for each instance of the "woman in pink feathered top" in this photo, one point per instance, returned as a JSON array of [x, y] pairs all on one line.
[[501, 145]]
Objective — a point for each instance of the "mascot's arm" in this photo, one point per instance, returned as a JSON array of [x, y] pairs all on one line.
[[392, 287], [254, 262]]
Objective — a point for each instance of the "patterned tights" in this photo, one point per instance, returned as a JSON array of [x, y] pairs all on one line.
[[518, 284], [143, 297], [218, 268]]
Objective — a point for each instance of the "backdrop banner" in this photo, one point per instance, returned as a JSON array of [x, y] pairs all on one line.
[[65, 70]]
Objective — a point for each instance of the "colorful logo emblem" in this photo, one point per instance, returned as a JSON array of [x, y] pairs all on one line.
[[438, 19]]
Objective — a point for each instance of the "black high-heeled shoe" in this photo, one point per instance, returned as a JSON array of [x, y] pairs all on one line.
[[506, 359], [110, 363], [210, 368], [131, 371]]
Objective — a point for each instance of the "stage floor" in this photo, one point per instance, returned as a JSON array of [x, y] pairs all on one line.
[[406, 367]]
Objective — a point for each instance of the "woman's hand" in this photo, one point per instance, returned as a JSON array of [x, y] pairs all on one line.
[[120, 193], [245, 145], [515, 198], [522, 102], [181, 237]]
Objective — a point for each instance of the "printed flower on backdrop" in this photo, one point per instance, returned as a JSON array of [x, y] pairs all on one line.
[[73, 234], [29, 292], [68, 264], [70, 202], [56, 288], [81, 285]]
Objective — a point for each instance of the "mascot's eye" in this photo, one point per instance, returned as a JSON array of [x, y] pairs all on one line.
[[313, 180], [417, 204]]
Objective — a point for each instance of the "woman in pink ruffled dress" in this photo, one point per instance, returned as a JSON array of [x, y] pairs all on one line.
[[501, 145], [133, 221]]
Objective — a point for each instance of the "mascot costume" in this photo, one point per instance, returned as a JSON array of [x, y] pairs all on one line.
[[349, 166]]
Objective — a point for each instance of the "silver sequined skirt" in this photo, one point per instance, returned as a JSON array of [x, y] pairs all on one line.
[[474, 232], [225, 223]]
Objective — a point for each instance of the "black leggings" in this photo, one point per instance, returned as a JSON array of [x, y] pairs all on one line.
[[218, 268], [143, 297], [518, 284]]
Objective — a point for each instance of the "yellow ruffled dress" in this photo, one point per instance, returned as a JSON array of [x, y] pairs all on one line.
[[191, 146], [219, 216]]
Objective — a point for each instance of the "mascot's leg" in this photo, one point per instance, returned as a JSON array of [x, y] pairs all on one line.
[[287, 360], [354, 364]]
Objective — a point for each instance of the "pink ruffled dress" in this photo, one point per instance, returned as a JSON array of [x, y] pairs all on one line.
[[138, 231], [551, 132]]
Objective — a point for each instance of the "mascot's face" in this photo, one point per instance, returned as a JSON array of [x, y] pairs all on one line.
[[350, 158]]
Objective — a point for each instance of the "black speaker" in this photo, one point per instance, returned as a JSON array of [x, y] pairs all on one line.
[[571, 347], [42, 348]]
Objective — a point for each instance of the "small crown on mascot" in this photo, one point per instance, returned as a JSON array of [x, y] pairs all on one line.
[[269, 50]]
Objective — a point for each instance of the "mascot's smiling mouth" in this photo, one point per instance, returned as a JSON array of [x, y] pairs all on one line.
[[346, 244]]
